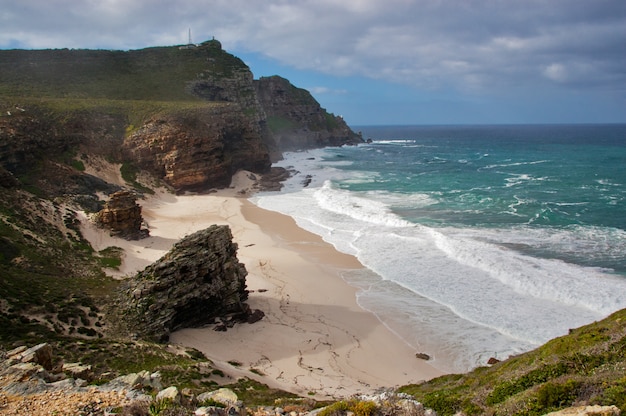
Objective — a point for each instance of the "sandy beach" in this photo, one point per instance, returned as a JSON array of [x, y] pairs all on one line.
[[314, 340]]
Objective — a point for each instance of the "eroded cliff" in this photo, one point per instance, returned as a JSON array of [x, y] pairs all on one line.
[[296, 120], [198, 149]]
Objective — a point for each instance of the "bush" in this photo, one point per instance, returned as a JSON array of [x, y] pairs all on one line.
[[363, 408], [358, 407], [554, 395]]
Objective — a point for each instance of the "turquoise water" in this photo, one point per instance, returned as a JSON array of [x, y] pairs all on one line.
[[478, 241], [539, 177]]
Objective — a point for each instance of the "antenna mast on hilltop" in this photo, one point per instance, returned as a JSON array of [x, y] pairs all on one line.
[[189, 45]]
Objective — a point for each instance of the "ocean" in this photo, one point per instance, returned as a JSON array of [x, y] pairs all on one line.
[[477, 241]]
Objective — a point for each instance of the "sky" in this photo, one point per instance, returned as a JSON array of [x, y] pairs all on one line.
[[377, 62]]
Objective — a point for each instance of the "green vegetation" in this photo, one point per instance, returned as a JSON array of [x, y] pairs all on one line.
[[129, 173], [357, 407], [253, 392], [586, 366], [111, 257], [160, 73], [135, 111], [51, 284]]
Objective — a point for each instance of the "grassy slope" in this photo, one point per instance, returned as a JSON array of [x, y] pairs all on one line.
[[137, 84], [586, 366], [159, 74]]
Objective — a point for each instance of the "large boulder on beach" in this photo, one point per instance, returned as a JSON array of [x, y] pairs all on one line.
[[198, 280], [122, 216]]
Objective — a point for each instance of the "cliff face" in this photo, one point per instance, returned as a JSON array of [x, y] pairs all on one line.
[[296, 120], [199, 149], [199, 280]]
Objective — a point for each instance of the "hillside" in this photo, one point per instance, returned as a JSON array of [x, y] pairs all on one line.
[[588, 366], [186, 75]]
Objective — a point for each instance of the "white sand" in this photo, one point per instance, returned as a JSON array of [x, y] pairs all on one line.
[[314, 339]]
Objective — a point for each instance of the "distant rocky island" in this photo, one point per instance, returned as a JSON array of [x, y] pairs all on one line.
[[185, 119]]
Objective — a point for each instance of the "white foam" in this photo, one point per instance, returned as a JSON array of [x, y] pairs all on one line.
[[506, 165], [357, 207]]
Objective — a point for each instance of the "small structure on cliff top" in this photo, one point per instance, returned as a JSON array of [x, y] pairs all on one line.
[[122, 216]]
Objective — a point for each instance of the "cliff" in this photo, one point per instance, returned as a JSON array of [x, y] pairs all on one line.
[[192, 116], [199, 149], [296, 120]]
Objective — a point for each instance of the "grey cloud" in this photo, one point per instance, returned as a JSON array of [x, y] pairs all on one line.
[[467, 45]]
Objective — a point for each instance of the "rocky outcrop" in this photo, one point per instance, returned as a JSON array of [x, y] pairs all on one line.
[[198, 150], [199, 280], [122, 216], [296, 120]]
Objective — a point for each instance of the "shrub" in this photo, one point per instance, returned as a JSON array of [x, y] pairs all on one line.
[[363, 408], [555, 395], [358, 407]]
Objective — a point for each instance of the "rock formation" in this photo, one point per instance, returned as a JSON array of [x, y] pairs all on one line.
[[200, 149], [296, 120], [122, 215], [141, 112], [199, 280]]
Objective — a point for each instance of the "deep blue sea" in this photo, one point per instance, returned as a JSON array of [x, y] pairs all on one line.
[[478, 241]]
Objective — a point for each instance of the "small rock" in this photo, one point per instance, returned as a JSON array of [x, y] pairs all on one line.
[[223, 395], [493, 361], [255, 316], [78, 370], [209, 411], [422, 356], [16, 351], [170, 393], [39, 354]]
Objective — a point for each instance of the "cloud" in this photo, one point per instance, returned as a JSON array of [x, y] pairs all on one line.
[[556, 72], [482, 45], [326, 90]]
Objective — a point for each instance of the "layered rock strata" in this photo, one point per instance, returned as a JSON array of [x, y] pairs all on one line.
[[200, 149], [122, 216], [197, 281]]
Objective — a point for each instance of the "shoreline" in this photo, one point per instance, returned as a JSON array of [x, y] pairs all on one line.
[[315, 340]]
